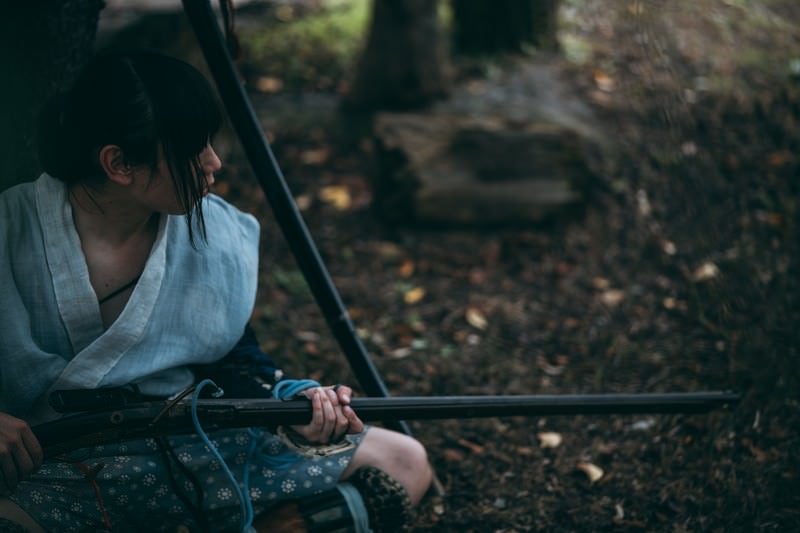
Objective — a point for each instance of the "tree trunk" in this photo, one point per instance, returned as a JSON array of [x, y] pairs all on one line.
[[43, 45], [402, 66], [482, 27]]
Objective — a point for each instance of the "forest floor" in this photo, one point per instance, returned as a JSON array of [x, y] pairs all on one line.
[[681, 274]]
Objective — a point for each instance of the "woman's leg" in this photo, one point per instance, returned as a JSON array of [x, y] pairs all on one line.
[[400, 456], [12, 512]]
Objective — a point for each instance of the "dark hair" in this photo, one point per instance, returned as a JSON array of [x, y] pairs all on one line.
[[139, 101]]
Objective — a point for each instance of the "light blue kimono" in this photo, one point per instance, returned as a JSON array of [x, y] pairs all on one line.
[[190, 305]]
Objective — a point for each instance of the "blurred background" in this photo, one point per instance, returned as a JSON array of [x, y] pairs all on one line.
[[519, 197]]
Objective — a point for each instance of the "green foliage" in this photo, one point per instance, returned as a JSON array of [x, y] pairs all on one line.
[[309, 51]]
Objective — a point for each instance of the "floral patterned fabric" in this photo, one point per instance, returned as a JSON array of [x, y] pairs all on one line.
[[139, 486]]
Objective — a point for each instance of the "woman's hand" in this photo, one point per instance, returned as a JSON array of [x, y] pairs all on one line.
[[20, 452], [332, 417]]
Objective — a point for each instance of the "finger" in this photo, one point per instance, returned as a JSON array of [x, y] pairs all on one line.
[[9, 470], [342, 424], [355, 425], [333, 397], [344, 393], [329, 424], [33, 447], [311, 430], [22, 460]]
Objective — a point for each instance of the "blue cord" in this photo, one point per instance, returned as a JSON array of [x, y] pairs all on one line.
[[284, 390], [244, 498], [288, 388]]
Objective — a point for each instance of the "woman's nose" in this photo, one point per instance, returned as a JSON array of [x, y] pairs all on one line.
[[210, 160]]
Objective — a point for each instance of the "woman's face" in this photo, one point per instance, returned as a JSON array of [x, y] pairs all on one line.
[[157, 191]]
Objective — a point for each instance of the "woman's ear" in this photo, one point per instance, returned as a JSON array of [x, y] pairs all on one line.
[[113, 162]]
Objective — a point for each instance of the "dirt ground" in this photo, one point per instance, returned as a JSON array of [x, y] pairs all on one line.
[[681, 274]]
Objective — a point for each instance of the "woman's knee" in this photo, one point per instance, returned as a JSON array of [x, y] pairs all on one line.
[[400, 456]]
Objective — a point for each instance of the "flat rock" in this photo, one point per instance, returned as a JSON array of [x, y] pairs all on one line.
[[505, 151]]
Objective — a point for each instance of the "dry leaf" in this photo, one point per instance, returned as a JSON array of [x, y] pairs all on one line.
[[668, 303], [400, 353], [593, 472], [669, 248], [414, 295], [453, 455], [705, 272], [612, 297], [407, 269], [268, 84], [474, 448], [303, 202], [619, 514], [549, 439], [315, 157], [604, 82], [438, 509], [601, 284], [476, 318], [336, 195], [389, 250], [778, 159]]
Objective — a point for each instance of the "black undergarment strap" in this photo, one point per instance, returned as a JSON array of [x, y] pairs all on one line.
[[122, 289]]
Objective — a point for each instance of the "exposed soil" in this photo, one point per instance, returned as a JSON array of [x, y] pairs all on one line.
[[681, 274]]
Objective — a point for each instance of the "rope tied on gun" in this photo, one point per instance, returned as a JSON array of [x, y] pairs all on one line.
[[243, 493]]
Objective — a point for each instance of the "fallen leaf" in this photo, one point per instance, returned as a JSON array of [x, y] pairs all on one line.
[[317, 157], [336, 195], [778, 159], [269, 85], [303, 202], [689, 148], [593, 472], [500, 503], [601, 284], [603, 81], [643, 203], [471, 446], [612, 297], [759, 454], [668, 303], [476, 319], [705, 272], [669, 248], [414, 295], [407, 268], [453, 455], [619, 513], [438, 509], [550, 370], [549, 439], [400, 353], [643, 424], [307, 336], [389, 250]]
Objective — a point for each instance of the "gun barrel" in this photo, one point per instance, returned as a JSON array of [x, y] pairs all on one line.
[[152, 419]]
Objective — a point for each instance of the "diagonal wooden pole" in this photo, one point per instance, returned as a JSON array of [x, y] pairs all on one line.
[[212, 42]]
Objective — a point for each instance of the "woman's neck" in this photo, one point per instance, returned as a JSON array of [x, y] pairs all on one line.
[[109, 215]]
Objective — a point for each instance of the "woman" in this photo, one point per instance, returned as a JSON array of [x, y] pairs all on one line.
[[118, 268]]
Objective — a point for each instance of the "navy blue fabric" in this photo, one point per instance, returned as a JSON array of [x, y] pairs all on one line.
[[244, 371]]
